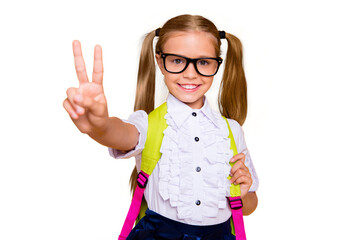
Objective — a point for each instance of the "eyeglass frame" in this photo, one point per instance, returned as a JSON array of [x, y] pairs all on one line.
[[193, 61]]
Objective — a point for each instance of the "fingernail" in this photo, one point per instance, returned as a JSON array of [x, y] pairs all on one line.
[[79, 110]]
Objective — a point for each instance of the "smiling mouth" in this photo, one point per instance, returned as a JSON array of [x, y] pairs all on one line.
[[189, 87]]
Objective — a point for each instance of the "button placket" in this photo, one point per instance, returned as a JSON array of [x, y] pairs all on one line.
[[198, 158]]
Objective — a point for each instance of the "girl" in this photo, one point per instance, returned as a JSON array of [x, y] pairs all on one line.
[[187, 189]]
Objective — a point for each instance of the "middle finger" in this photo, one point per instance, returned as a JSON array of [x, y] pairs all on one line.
[[98, 68]]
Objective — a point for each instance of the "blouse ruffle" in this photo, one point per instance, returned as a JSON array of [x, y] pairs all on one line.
[[177, 164]]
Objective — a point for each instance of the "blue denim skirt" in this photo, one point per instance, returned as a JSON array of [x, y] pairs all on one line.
[[156, 227]]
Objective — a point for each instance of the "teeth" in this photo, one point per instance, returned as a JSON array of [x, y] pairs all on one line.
[[189, 86]]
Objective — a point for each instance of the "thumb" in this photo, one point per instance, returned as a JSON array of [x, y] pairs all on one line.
[[100, 98], [239, 156]]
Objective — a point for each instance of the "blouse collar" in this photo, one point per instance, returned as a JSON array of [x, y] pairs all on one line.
[[179, 111]]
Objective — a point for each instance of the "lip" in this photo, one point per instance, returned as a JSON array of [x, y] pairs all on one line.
[[189, 87]]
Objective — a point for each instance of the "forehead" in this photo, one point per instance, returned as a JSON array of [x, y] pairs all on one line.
[[191, 44]]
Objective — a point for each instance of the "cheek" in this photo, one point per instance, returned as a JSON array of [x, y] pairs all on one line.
[[209, 81], [168, 78]]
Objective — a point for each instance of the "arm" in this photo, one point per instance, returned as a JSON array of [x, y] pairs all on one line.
[[250, 202], [88, 109], [117, 135]]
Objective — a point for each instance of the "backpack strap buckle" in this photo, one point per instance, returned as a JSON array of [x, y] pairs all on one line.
[[142, 179], [235, 202]]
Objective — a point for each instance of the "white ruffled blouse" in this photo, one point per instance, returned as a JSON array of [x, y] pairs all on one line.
[[189, 183]]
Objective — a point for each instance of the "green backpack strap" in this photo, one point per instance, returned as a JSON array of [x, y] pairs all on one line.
[[234, 189], [151, 153], [156, 126]]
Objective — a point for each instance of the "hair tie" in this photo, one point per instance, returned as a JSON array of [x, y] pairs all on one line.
[[157, 32], [222, 34]]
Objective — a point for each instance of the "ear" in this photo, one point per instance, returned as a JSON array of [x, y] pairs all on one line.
[[160, 62]]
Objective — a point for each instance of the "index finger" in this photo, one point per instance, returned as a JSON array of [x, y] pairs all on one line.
[[98, 68], [79, 63]]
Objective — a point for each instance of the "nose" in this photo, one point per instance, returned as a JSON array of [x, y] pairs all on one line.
[[190, 72]]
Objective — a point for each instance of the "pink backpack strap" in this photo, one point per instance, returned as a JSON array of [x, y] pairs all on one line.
[[236, 205], [135, 205], [149, 158]]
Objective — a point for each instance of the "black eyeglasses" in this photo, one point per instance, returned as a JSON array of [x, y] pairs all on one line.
[[204, 66]]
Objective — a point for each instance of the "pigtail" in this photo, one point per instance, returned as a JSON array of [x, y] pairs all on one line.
[[145, 90], [232, 98]]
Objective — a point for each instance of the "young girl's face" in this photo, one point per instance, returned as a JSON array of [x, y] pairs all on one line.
[[188, 86]]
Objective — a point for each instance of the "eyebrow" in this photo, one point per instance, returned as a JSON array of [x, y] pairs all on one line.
[[180, 55]]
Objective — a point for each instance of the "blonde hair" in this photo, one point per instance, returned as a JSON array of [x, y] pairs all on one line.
[[232, 98]]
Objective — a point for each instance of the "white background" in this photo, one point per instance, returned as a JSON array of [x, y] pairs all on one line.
[[302, 63]]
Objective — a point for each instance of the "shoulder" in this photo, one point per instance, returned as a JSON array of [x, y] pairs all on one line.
[[238, 134], [235, 128]]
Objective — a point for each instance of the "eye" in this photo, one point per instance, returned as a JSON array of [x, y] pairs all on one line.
[[203, 62], [177, 60]]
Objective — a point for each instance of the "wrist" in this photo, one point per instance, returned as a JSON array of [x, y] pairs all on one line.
[[102, 129]]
